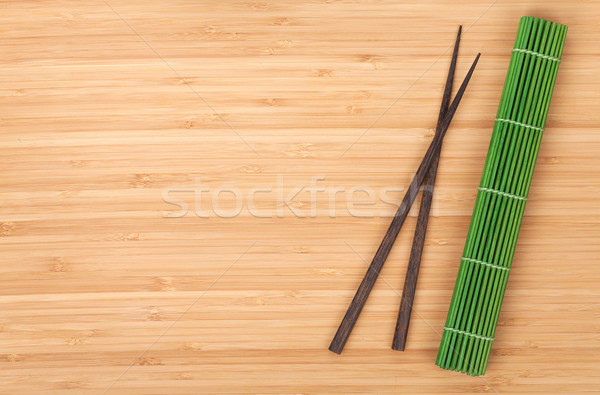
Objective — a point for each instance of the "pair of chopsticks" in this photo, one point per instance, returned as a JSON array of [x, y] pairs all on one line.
[[426, 171]]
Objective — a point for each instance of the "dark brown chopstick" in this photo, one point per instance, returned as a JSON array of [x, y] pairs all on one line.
[[412, 272], [358, 302]]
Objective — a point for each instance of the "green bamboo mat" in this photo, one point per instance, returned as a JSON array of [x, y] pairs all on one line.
[[502, 194]]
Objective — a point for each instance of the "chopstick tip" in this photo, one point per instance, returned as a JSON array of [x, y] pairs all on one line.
[[335, 350], [458, 37]]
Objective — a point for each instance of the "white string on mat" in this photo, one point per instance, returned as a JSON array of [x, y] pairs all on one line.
[[520, 124], [485, 264], [469, 334], [541, 55], [510, 195]]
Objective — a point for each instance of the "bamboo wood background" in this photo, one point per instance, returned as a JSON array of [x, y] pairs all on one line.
[[107, 105]]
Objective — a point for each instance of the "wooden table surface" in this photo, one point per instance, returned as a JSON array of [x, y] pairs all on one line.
[[168, 222]]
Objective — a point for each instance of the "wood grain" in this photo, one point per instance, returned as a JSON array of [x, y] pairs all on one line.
[[104, 109]]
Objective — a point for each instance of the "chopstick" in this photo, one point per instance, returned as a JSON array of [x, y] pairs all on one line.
[[412, 272], [365, 287]]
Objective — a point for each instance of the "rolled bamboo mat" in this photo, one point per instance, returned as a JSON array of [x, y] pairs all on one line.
[[502, 194]]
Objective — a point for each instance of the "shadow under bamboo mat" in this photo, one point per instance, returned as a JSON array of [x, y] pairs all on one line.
[[111, 110]]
